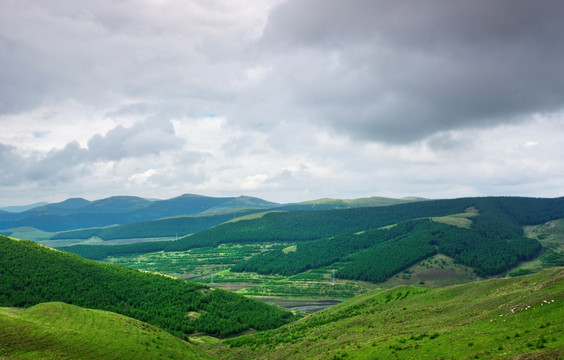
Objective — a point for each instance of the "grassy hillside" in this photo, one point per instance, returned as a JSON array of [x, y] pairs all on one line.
[[521, 317], [61, 331], [31, 274]]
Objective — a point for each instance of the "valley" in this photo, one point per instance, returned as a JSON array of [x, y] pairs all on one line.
[[343, 282]]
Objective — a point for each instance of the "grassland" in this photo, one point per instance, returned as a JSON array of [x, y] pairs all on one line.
[[437, 271], [463, 220], [61, 331], [509, 318], [551, 237]]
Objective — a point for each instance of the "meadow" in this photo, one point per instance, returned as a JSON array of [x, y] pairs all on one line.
[[58, 330], [520, 317]]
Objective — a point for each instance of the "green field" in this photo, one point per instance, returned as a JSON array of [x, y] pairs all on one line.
[[61, 331], [194, 263], [199, 264], [509, 318]]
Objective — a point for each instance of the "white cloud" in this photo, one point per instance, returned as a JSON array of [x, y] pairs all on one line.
[[288, 100]]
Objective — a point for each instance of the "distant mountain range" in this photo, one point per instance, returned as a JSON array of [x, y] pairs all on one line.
[[79, 213], [22, 208]]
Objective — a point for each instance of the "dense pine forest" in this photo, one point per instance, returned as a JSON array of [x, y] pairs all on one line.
[[378, 254], [33, 274]]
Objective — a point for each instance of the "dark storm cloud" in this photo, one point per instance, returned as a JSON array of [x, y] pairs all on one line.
[[401, 71]]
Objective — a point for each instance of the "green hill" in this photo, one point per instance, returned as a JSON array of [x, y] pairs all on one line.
[[61, 331], [510, 318], [31, 274]]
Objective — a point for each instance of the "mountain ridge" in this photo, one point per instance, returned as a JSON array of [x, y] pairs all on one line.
[[78, 213]]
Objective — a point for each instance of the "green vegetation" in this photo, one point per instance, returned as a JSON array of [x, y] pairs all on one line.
[[499, 318], [169, 227], [278, 226], [58, 330], [28, 233], [32, 274], [437, 271], [463, 220], [489, 246], [295, 226], [383, 260], [551, 236], [195, 262]]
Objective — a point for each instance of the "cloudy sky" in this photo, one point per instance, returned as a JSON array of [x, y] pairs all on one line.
[[287, 100]]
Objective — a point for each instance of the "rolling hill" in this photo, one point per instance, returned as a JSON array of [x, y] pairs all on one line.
[[510, 318], [31, 274], [62, 331]]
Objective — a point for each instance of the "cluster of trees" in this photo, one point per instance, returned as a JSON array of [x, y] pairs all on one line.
[[318, 253], [383, 260], [32, 274]]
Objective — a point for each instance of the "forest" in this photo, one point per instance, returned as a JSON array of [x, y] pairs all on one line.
[[33, 274], [493, 244], [489, 247]]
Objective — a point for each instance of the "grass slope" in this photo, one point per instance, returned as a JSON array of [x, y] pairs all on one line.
[[61, 331], [521, 317]]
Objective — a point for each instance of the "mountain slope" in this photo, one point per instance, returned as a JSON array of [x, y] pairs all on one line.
[[61, 331], [31, 274], [167, 227], [520, 317], [80, 213]]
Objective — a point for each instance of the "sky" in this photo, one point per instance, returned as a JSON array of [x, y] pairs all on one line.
[[287, 100]]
